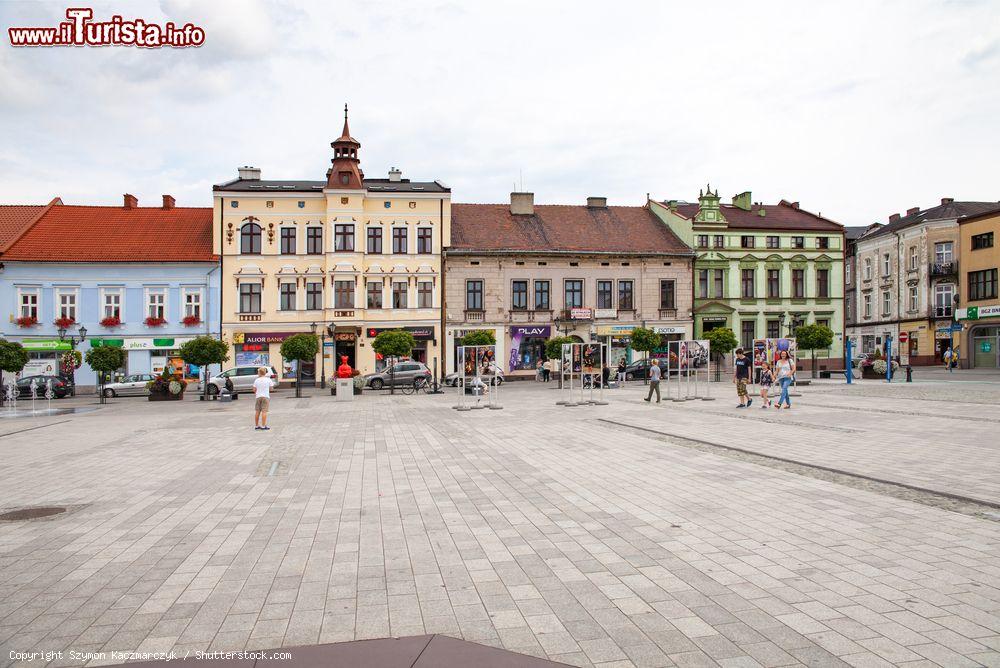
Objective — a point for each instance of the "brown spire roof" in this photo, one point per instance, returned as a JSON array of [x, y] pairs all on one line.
[[345, 135]]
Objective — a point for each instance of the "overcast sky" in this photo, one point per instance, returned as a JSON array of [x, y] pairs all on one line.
[[855, 109]]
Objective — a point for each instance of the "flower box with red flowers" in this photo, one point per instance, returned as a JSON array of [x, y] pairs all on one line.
[[26, 321], [191, 321], [111, 321], [153, 321], [65, 323]]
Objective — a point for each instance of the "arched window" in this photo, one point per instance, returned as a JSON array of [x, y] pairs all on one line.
[[250, 239]]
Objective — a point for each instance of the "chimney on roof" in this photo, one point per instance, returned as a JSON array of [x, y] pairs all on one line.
[[912, 210], [672, 204], [248, 173], [893, 218], [597, 202], [169, 202], [795, 205], [743, 200], [522, 204], [395, 176], [760, 210], [131, 202], [947, 200]]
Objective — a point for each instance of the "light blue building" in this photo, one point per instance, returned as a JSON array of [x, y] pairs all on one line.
[[140, 278]]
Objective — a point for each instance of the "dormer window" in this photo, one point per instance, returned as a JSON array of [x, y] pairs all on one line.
[[345, 178]]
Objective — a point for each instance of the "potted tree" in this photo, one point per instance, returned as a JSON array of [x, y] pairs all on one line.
[[300, 347], [105, 360], [721, 342], [203, 351], [553, 350], [13, 357], [646, 341], [393, 343], [811, 338]]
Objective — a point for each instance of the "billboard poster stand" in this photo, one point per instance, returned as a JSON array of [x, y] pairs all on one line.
[[767, 350], [477, 363], [681, 363], [566, 374], [584, 364]]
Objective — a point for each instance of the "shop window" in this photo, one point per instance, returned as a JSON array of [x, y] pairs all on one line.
[[425, 294], [314, 296], [343, 294], [542, 290], [314, 240], [399, 242], [474, 295], [288, 241], [374, 243], [286, 297], [773, 283], [156, 303], [250, 294], [375, 294], [399, 290], [747, 283], [250, 239], [343, 238], [667, 294], [626, 301], [604, 294], [519, 295], [823, 283], [425, 240], [28, 303], [573, 293]]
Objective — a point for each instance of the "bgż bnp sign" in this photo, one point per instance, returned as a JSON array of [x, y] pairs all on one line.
[[978, 312]]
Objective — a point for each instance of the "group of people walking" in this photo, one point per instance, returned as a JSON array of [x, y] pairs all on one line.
[[780, 374]]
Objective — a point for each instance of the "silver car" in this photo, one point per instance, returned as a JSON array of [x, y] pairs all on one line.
[[242, 377], [129, 386], [403, 373]]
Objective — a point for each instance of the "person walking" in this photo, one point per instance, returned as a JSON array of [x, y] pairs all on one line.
[[262, 398], [785, 368], [766, 381], [741, 376], [620, 379], [547, 370], [654, 381], [947, 359]]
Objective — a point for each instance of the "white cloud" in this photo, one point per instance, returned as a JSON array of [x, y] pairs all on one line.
[[856, 109]]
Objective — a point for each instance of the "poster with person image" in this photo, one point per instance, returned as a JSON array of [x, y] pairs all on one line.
[[590, 357], [697, 353], [768, 350]]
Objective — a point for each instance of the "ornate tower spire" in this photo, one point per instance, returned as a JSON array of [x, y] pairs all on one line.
[[345, 173]]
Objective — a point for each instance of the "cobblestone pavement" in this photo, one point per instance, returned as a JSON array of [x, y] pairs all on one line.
[[535, 528]]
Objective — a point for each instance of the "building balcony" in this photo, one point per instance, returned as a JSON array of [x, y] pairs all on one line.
[[474, 315], [944, 269], [668, 313], [941, 312], [249, 317], [526, 315]]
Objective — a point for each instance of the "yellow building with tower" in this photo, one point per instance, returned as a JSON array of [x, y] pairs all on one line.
[[344, 258]]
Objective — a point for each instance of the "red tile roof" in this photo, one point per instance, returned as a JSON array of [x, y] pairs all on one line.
[[562, 228], [781, 216], [116, 234], [15, 219]]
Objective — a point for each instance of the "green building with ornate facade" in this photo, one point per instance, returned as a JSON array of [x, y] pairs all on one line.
[[762, 269]]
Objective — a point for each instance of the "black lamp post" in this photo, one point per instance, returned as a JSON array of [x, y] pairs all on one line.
[[73, 340], [314, 328]]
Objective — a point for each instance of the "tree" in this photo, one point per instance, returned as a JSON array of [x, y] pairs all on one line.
[[480, 337], [721, 341], [393, 343], [300, 347], [13, 356], [554, 350], [645, 341], [105, 360], [811, 338], [202, 351]]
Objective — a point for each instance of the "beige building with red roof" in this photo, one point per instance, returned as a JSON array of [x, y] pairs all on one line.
[[762, 269], [530, 272]]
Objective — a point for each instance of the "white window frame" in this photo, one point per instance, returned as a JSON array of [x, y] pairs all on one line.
[[944, 249], [433, 296], [847, 274], [354, 293], [72, 309], [295, 295], [198, 293], [392, 293], [161, 292], [868, 269], [914, 298], [24, 307], [886, 303], [868, 306], [913, 258], [886, 264], [105, 293]]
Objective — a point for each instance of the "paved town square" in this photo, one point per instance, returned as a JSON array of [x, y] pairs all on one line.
[[617, 535]]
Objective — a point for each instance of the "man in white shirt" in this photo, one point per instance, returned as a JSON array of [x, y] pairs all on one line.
[[262, 392]]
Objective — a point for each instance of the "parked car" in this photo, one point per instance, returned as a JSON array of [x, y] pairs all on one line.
[[402, 373], [129, 386], [858, 359], [60, 386], [637, 370], [242, 377], [495, 372]]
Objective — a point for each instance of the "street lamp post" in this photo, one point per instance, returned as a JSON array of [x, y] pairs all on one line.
[[314, 328], [73, 340]]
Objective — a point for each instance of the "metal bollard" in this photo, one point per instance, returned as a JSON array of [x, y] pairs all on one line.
[[909, 373]]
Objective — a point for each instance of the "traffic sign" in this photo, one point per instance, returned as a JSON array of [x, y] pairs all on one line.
[[903, 337], [956, 326]]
